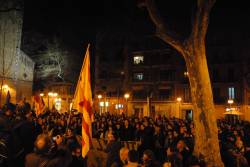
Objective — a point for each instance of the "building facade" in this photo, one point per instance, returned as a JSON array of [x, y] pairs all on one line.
[[16, 68], [155, 77], [58, 96]]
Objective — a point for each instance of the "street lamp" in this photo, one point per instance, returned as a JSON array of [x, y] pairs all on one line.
[[179, 99], [230, 101], [99, 98], [55, 94], [5, 87], [50, 94], [126, 96]]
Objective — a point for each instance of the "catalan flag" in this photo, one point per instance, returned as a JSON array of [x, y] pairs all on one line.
[[39, 105], [83, 103]]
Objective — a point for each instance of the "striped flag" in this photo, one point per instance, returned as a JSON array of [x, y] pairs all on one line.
[[83, 103], [39, 105]]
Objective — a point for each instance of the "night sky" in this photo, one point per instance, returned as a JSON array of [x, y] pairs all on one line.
[[78, 23]]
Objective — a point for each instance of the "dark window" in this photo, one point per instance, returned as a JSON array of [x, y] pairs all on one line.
[[103, 75], [167, 75], [139, 94], [165, 93], [216, 75], [217, 95], [231, 77], [187, 96]]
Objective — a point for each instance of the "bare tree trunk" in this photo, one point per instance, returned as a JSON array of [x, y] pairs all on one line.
[[206, 132], [194, 52]]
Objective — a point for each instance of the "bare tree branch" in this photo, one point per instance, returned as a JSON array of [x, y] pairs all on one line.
[[162, 30], [201, 19]]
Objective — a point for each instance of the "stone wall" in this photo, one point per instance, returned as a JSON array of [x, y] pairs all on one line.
[[16, 68], [10, 37]]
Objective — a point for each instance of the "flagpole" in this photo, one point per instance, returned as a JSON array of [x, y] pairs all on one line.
[[68, 121]]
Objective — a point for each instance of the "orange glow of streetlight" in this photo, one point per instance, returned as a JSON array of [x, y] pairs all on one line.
[[41, 94], [230, 101], [126, 96], [179, 99], [99, 96], [5, 86]]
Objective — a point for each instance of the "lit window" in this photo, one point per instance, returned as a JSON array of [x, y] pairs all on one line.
[[58, 104], [102, 104], [118, 106], [138, 76], [231, 93], [138, 59], [106, 104]]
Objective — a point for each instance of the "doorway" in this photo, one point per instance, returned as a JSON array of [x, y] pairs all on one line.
[[189, 115]]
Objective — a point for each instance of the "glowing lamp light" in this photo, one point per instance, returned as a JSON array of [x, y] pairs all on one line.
[[126, 96], [41, 94], [6, 87], [99, 96], [178, 99], [101, 103], [230, 101], [106, 104], [50, 94], [58, 99]]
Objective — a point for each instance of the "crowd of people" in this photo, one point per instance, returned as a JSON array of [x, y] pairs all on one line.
[[47, 140], [166, 141], [53, 140]]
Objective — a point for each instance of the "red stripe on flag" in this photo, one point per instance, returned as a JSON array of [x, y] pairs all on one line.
[[86, 104], [86, 128]]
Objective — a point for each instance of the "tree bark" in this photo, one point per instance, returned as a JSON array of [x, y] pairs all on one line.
[[194, 52], [206, 132]]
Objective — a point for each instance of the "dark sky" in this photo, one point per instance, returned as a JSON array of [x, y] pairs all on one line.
[[78, 22]]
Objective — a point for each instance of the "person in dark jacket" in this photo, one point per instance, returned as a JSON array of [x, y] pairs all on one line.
[[77, 160], [47, 155], [123, 158], [148, 159], [113, 148], [147, 138], [127, 132], [11, 148]]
